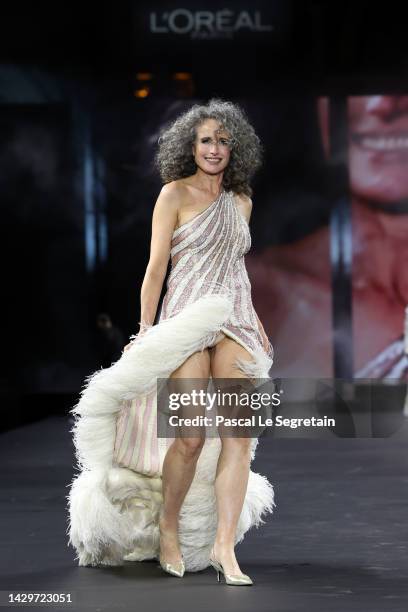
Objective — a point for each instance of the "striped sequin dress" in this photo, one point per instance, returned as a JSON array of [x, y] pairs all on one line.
[[207, 257], [114, 502]]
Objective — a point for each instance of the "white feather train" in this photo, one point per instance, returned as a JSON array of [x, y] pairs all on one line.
[[113, 511]]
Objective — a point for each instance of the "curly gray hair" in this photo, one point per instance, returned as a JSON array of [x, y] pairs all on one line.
[[174, 157]]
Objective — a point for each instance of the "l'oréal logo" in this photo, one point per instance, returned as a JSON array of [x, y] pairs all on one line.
[[207, 24]]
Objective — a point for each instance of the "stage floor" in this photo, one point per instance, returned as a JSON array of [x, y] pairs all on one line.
[[338, 540]]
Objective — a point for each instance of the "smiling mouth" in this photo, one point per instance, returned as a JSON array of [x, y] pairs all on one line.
[[392, 142], [213, 159]]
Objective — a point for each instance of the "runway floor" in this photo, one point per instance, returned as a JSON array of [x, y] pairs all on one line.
[[338, 540]]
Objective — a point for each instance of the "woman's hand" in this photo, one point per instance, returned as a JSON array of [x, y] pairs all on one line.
[[128, 346], [142, 331]]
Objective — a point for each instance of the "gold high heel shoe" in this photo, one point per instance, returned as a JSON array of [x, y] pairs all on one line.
[[175, 569], [233, 579]]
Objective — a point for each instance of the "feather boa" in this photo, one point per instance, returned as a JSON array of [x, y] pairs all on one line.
[[113, 511]]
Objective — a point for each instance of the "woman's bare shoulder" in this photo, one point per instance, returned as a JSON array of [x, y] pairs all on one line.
[[171, 199], [174, 191]]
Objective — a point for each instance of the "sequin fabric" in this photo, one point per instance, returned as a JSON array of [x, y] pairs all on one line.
[[208, 256]]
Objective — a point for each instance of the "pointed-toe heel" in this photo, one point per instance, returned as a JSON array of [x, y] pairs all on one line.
[[175, 569], [231, 579]]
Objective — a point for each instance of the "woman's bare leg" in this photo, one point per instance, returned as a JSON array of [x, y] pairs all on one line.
[[179, 465], [233, 464]]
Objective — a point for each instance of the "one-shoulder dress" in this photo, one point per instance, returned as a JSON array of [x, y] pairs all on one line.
[[114, 501]]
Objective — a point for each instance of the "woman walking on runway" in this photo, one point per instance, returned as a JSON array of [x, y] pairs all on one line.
[[200, 220]]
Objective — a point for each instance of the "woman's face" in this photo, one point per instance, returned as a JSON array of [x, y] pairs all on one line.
[[212, 148], [378, 145], [378, 127]]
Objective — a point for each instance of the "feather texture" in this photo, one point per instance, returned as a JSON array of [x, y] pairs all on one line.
[[113, 511]]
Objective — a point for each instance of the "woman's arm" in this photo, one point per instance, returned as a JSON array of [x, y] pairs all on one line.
[[164, 221]]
